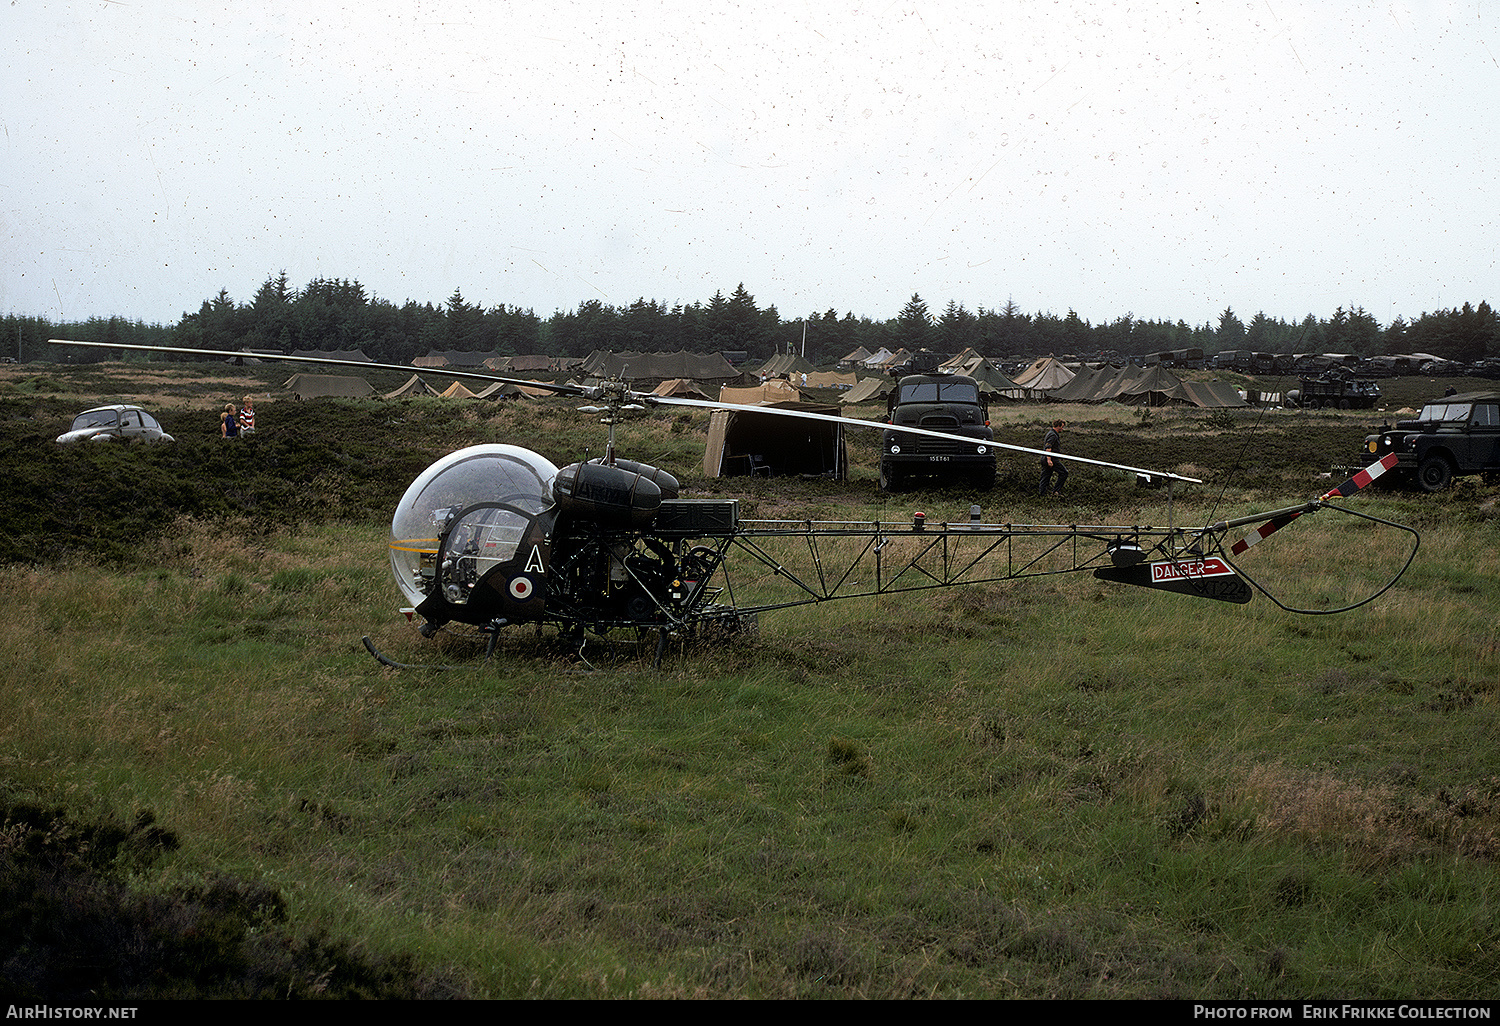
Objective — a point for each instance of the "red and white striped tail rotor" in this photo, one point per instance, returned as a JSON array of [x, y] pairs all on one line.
[[1348, 488]]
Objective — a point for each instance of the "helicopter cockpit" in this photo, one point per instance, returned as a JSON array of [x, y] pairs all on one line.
[[480, 501]]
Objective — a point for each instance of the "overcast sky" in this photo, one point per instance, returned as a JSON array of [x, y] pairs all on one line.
[[1159, 160]]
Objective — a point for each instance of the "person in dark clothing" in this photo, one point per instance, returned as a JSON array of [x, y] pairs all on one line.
[[1052, 443], [229, 422]]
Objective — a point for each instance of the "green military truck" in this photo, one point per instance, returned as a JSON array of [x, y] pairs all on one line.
[[946, 403]]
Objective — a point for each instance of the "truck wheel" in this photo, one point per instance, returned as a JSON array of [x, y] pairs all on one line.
[[891, 479], [984, 480], [1434, 474]]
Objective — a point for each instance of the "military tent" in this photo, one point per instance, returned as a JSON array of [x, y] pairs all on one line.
[[317, 386], [1145, 386], [342, 355], [783, 364], [775, 390], [956, 364], [1044, 375], [658, 366], [831, 379], [867, 389], [1213, 394], [992, 380], [680, 388], [454, 358], [510, 390], [1084, 385], [458, 390], [414, 386], [530, 364], [755, 440]]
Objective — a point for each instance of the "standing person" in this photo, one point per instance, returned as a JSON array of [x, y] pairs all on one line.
[[229, 422], [247, 416], [1052, 443]]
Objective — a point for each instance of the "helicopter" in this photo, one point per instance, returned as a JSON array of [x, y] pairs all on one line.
[[496, 536]]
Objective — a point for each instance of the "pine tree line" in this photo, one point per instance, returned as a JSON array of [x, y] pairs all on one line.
[[338, 314]]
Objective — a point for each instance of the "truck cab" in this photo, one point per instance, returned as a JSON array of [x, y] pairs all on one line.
[[946, 403], [1451, 437]]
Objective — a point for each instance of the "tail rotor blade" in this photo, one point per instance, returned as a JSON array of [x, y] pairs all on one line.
[[1362, 478], [1348, 488]]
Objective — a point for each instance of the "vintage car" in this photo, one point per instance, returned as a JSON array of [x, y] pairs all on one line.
[[119, 423]]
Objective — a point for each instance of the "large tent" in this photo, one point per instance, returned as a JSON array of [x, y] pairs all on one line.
[[454, 358], [317, 386], [658, 366], [1145, 386], [752, 441]]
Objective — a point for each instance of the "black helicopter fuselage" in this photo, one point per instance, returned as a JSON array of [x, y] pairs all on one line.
[[617, 548]]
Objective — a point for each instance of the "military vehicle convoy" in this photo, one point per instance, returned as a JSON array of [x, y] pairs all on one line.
[[947, 403], [1451, 437]]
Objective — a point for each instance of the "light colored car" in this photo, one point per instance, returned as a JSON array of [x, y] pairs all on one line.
[[115, 424]]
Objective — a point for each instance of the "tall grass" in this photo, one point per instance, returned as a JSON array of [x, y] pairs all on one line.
[[1051, 788], [1055, 787]]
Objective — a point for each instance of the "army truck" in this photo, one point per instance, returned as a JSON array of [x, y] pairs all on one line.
[[1335, 391], [1451, 437], [946, 403]]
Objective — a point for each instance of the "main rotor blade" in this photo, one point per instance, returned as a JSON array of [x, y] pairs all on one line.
[[881, 425], [224, 354]]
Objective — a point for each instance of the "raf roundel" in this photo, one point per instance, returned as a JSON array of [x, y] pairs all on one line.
[[521, 589]]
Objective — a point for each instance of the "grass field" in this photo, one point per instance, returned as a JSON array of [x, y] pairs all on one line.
[[1057, 788]]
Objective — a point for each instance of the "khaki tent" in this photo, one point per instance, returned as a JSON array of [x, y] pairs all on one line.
[[783, 364], [342, 355], [1213, 394], [867, 389], [776, 390], [454, 358], [756, 441], [1044, 375], [831, 379], [458, 390], [681, 388], [1084, 386], [414, 386], [992, 380], [509, 390], [317, 386], [658, 366], [530, 364]]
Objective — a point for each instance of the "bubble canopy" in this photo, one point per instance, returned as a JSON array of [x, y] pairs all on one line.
[[482, 473]]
